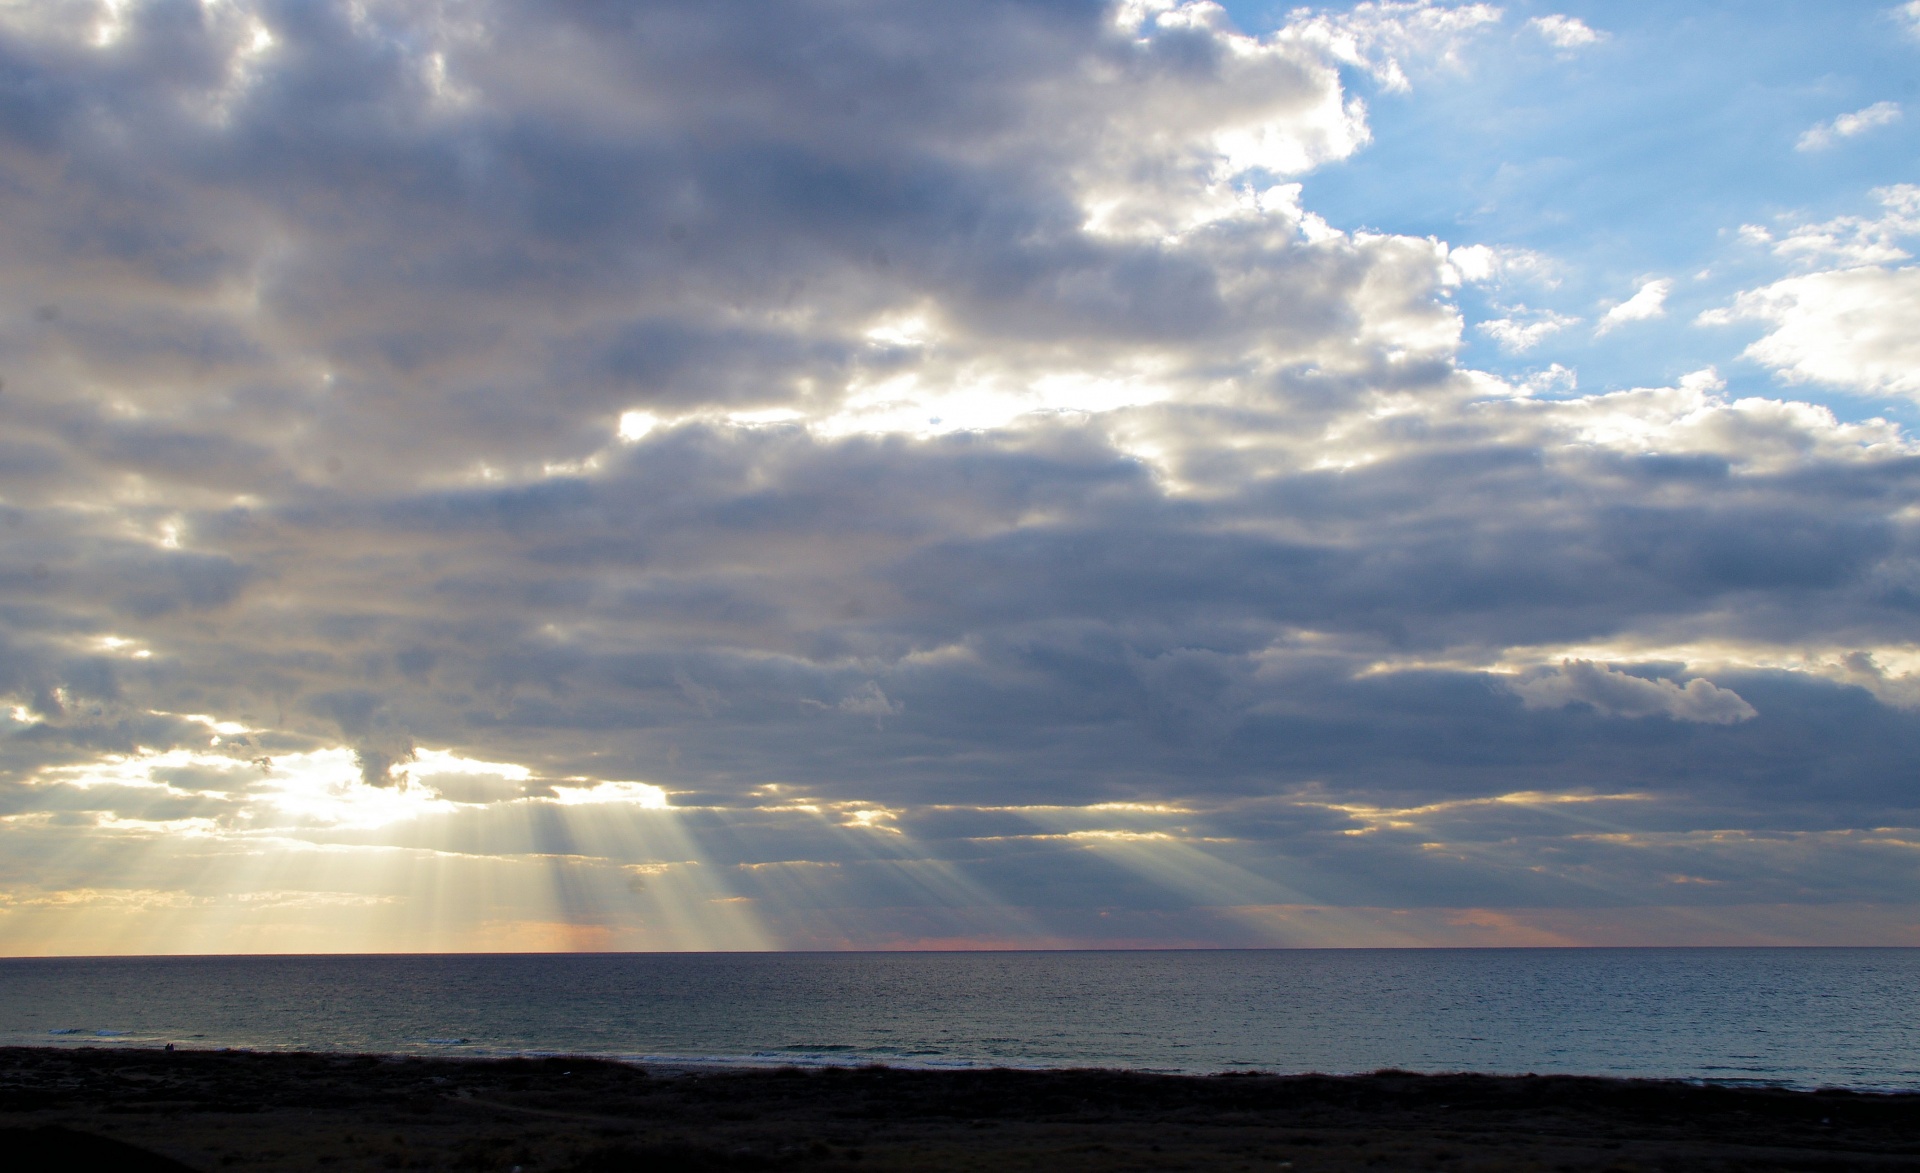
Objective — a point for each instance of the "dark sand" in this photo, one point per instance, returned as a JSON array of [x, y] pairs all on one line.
[[80, 1108]]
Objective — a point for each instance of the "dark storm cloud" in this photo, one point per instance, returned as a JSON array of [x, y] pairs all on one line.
[[1143, 639]]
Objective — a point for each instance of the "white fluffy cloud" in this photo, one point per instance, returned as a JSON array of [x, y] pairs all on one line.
[[1524, 330], [1908, 14], [1849, 240], [1859, 122], [1565, 32], [1382, 36], [1851, 328], [1648, 302]]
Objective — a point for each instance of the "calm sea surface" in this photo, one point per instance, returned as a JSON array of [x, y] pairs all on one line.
[[1801, 1017]]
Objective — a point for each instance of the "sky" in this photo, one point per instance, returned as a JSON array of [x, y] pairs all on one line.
[[836, 474]]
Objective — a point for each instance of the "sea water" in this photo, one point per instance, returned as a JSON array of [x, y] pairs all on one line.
[[1792, 1017]]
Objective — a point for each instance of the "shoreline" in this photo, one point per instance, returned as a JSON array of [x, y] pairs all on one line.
[[763, 1062], [211, 1109]]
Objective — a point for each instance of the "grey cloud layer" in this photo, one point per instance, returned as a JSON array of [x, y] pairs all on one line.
[[320, 322]]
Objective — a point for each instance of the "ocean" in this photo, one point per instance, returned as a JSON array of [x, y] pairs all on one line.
[[1787, 1017]]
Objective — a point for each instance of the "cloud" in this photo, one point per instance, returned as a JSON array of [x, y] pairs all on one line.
[[379, 765], [1480, 263], [1850, 240], [1517, 335], [1909, 15], [868, 701], [1565, 32], [1852, 329], [1379, 34], [1617, 694], [1825, 134], [600, 413], [1648, 302], [1554, 378]]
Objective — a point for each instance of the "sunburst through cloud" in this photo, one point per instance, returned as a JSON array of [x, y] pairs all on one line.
[[489, 477]]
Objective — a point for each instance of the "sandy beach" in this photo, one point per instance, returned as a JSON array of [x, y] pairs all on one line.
[[212, 1110]]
